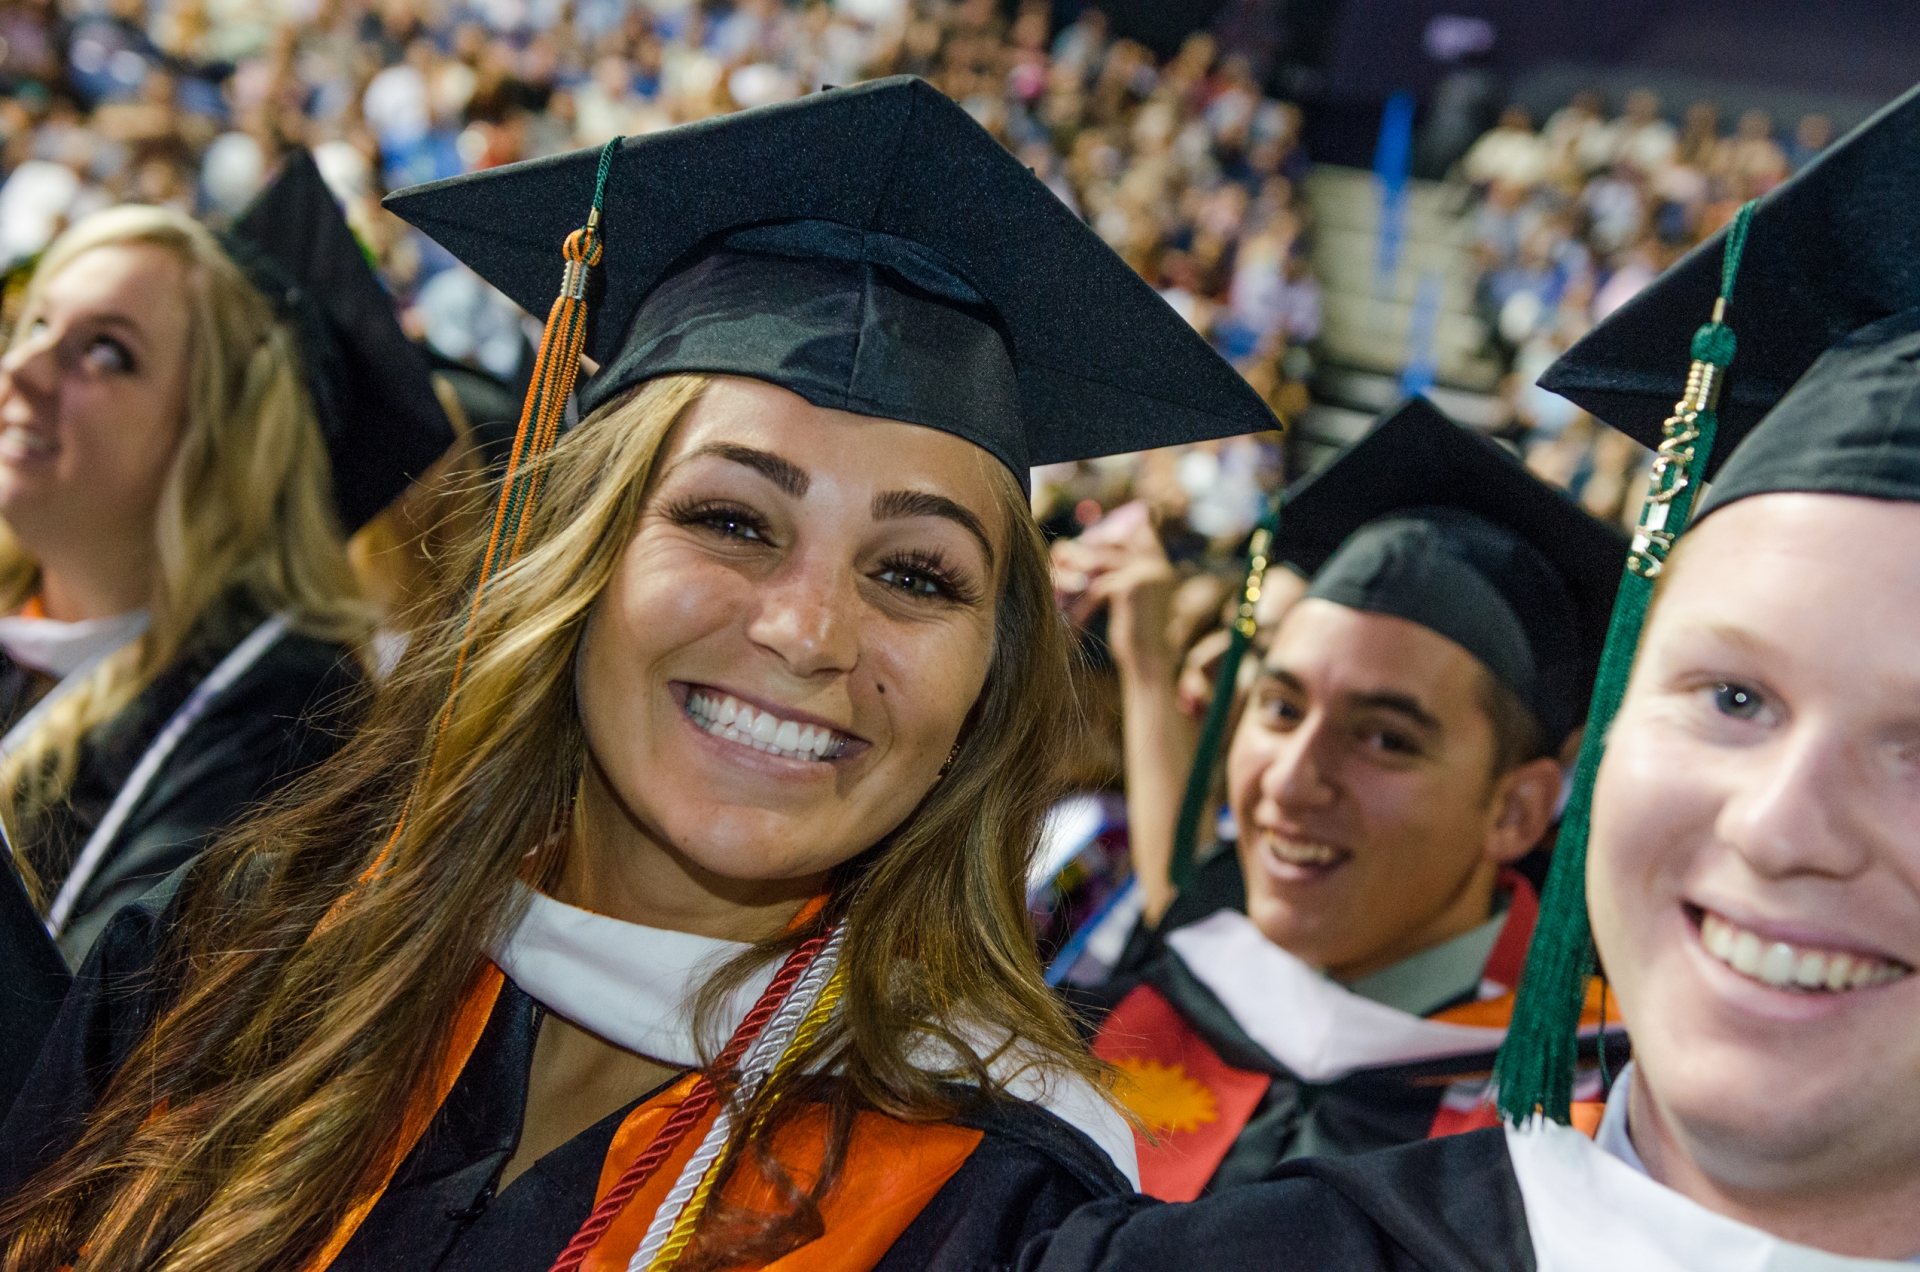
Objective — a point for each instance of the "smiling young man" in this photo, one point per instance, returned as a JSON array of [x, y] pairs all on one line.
[[1398, 754], [1751, 880]]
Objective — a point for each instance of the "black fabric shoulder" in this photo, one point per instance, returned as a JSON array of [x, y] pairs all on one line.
[[1445, 1205], [1031, 1127], [1218, 884], [115, 998], [1298, 1225], [1451, 1202], [1029, 1173], [287, 714]]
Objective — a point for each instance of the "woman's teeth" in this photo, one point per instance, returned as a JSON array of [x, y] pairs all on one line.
[[727, 717], [1786, 966]]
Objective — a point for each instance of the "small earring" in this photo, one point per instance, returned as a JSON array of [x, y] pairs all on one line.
[[947, 767]]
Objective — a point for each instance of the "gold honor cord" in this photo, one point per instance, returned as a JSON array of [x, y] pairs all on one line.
[[688, 1221]]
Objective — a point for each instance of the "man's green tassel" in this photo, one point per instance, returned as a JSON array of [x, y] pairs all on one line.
[[1193, 802], [1536, 1066]]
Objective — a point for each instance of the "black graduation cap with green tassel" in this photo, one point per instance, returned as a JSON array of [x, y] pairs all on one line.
[[1826, 398], [1428, 521]]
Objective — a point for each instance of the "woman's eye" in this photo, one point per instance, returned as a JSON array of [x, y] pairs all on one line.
[[915, 581], [1737, 701], [104, 353], [724, 520], [928, 577], [734, 527]]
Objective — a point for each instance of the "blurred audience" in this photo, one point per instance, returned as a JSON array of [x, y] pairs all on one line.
[[1186, 168], [1572, 220]]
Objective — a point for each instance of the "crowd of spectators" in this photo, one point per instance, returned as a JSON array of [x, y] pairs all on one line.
[[1184, 166], [1575, 217]]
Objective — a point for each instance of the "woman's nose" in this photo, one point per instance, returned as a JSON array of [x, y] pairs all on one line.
[[29, 367], [809, 618]]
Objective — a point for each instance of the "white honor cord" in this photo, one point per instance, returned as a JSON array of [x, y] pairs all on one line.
[[236, 664], [759, 1061]]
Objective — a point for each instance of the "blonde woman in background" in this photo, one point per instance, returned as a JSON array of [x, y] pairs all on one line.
[[183, 625]]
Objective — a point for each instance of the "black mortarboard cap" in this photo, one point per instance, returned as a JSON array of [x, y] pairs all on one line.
[[1851, 426], [490, 404], [870, 248], [1834, 249], [372, 391], [1427, 521]]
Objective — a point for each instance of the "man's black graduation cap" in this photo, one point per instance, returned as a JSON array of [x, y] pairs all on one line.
[[1831, 251], [372, 390], [1427, 521], [872, 249]]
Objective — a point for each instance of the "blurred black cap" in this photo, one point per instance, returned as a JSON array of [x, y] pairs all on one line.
[[372, 391], [1428, 521], [1832, 250], [872, 249], [491, 406]]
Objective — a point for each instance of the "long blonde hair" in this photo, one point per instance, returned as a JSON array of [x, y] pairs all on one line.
[[245, 514], [266, 1099]]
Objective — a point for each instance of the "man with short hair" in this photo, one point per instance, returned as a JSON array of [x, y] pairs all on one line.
[[1398, 754]]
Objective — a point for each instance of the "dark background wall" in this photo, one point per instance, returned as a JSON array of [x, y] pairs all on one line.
[[1343, 58]]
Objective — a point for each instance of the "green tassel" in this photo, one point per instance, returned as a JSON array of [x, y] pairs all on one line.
[[1193, 802], [1535, 1070]]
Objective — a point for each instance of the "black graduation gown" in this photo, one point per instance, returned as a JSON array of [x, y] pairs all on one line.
[[1442, 1205], [33, 983], [288, 712], [1373, 1108], [441, 1212]]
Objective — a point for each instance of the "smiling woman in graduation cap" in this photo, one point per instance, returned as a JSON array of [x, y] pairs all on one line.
[[1742, 846], [171, 561], [670, 911]]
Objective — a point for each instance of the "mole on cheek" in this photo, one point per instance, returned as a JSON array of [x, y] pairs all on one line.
[[881, 688]]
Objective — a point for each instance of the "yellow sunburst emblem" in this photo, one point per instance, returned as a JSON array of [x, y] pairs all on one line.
[[1163, 1097]]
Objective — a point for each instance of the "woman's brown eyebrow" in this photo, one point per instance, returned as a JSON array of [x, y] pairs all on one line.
[[895, 504], [784, 473]]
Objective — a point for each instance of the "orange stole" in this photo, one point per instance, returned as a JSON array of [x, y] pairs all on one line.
[[475, 1008], [892, 1171], [1497, 1013]]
